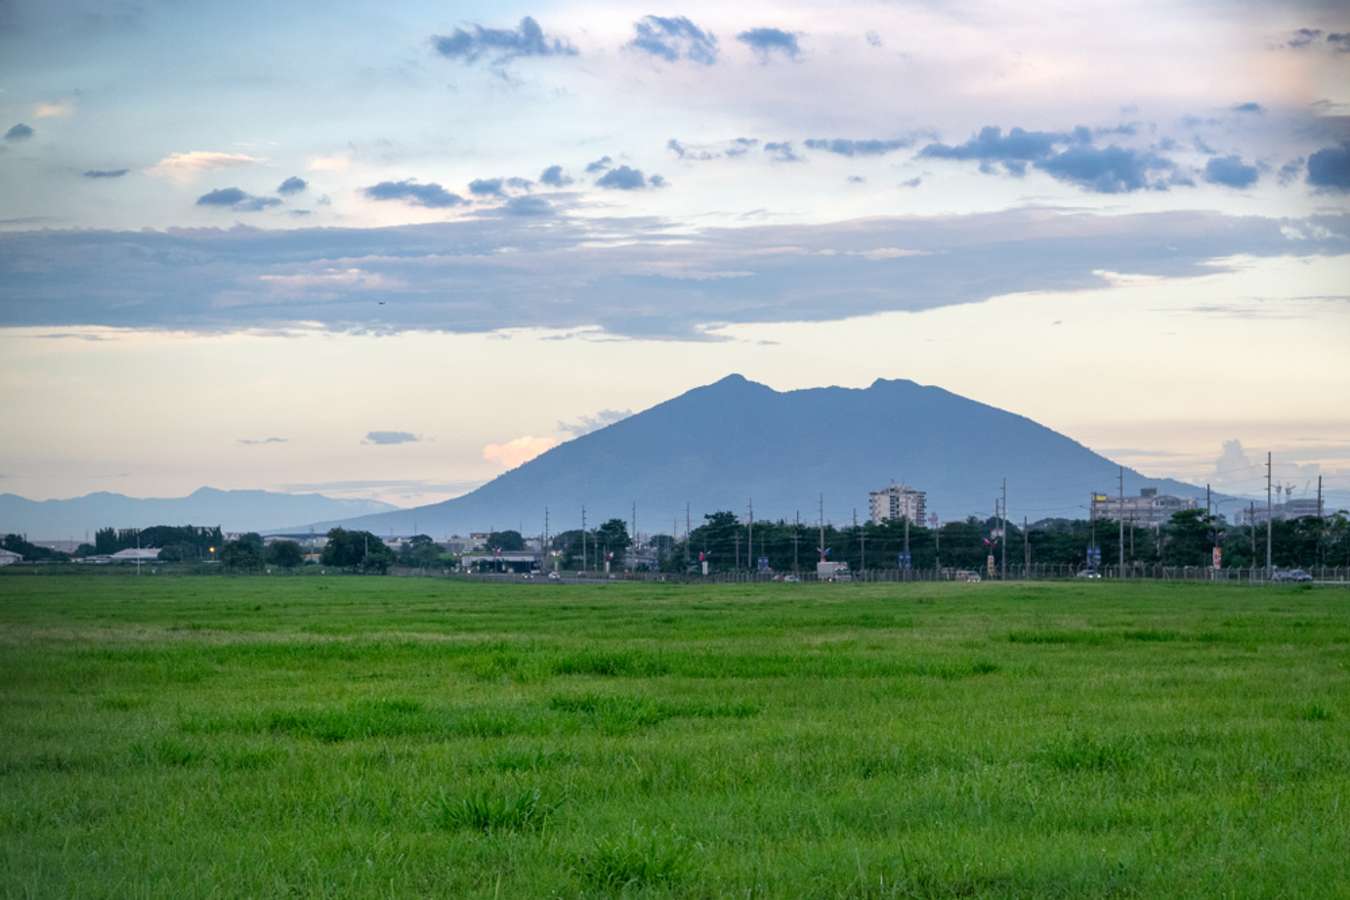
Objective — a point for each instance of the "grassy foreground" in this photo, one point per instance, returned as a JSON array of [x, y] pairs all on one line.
[[417, 737]]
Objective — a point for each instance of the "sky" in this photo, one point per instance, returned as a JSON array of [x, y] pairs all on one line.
[[393, 250]]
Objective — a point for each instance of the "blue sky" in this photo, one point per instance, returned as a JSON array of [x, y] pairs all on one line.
[[342, 191]]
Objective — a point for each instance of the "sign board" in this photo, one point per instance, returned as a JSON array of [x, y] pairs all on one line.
[[989, 563], [763, 564], [904, 560], [1218, 557], [1094, 557]]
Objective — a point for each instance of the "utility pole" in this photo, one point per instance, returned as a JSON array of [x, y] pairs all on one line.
[[1120, 572], [796, 538], [688, 527], [1003, 565], [737, 538], [1026, 548], [1321, 523], [635, 537], [821, 548], [543, 543], [1270, 517], [862, 542], [584, 560], [750, 535], [1251, 528]]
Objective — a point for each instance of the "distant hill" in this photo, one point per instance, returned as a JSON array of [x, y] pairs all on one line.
[[718, 445], [231, 510]]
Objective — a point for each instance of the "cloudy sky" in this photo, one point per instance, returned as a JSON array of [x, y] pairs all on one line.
[[394, 249]]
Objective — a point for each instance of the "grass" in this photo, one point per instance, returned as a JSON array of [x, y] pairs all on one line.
[[407, 737]]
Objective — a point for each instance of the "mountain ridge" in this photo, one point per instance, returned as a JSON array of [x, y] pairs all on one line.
[[718, 445]]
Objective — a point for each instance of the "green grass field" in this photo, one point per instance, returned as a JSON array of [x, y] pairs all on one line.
[[394, 737]]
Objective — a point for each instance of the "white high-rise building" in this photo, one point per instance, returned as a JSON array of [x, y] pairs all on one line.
[[897, 502]]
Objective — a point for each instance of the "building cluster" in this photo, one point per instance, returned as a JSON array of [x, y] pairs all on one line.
[[1304, 507], [1149, 508], [899, 501]]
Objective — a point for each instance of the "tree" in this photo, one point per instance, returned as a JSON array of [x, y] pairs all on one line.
[[506, 541], [356, 550], [613, 538], [420, 552], [245, 552], [286, 554]]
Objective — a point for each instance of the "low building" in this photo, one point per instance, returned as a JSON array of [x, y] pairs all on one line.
[[9, 557], [503, 561], [1303, 508], [1149, 508], [898, 502], [135, 555]]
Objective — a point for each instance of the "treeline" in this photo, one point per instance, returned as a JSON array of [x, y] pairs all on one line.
[[1187, 540], [177, 543]]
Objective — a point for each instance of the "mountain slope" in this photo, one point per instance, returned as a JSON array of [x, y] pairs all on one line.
[[718, 445], [231, 510]]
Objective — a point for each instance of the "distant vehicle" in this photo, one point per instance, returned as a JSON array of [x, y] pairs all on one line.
[[967, 576], [1290, 575], [792, 579], [1089, 573], [553, 576], [833, 571]]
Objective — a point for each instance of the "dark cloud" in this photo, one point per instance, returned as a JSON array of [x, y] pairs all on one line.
[[527, 206], [1109, 170], [1329, 168], [992, 145], [431, 194], [674, 38], [873, 38], [384, 438], [105, 173], [623, 275], [1065, 155], [293, 185], [625, 178], [498, 187], [781, 151], [1251, 106], [1339, 41], [1290, 171], [912, 182], [1303, 37], [767, 41], [856, 179], [554, 176], [599, 165], [1231, 171], [846, 147], [237, 200], [500, 45], [254, 442], [19, 132]]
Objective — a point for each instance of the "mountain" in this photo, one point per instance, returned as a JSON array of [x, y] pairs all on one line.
[[718, 445], [231, 510]]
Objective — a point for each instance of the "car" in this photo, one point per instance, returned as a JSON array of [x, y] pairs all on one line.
[[967, 576], [554, 576], [1089, 573], [791, 579], [1296, 575]]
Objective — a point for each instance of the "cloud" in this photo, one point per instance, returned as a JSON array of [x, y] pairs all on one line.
[[1251, 106], [1339, 41], [1290, 171], [587, 424], [846, 147], [430, 195], [387, 438], [19, 132], [500, 45], [767, 41], [1231, 171], [1108, 170], [703, 152], [599, 165], [1303, 37], [1329, 168], [623, 276], [253, 442], [518, 451], [526, 206], [187, 166], [554, 176], [781, 151], [912, 182], [1105, 170], [625, 178], [237, 200], [498, 187], [856, 179], [873, 38], [59, 109], [674, 38], [105, 173], [293, 185]]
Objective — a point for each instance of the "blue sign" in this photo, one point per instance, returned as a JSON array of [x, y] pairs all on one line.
[[1094, 557], [764, 564], [904, 560]]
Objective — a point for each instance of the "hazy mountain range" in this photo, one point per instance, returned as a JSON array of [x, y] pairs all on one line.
[[231, 510], [717, 446]]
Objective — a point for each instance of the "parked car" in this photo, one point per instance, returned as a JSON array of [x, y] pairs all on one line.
[[1290, 575], [1089, 573], [967, 576]]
